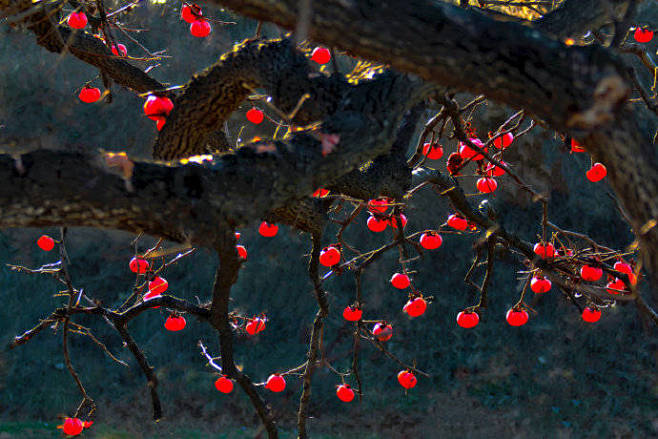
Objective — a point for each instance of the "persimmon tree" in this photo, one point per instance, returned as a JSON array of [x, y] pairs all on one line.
[[346, 141]]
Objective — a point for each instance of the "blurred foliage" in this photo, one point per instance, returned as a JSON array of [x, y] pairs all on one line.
[[554, 377]]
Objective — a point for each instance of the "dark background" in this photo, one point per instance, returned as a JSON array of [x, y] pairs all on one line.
[[554, 377]]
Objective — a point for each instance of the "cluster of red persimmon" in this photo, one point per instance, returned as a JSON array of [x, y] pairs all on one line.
[[199, 26], [190, 13], [329, 257], [158, 107], [380, 219], [487, 183], [78, 20]]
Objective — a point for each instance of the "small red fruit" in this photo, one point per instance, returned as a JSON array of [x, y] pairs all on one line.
[[432, 151], [224, 384], [200, 28], [242, 251], [495, 171], [156, 107], [468, 319], [596, 173], [591, 315], [268, 230], [393, 221], [72, 426], [486, 185], [321, 55], [400, 281], [158, 285], [590, 274], [345, 393], [466, 152], [616, 286], [77, 20], [623, 267], [46, 243], [255, 326], [517, 317], [407, 379], [502, 142], [329, 256], [174, 323], [376, 225], [430, 240], [352, 314], [382, 331], [544, 251], [454, 163], [576, 146], [275, 383], [138, 265], [415, 307], [321, 193], [458, 222], [643, 35], [119, 50], [540, 284], [254, 115], [190, 13], [89, 95]]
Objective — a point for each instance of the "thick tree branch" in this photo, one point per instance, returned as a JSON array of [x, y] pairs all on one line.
[[211, 96], [573, 18], [461, 48], [185, 203], [581, 90], [84, 46]]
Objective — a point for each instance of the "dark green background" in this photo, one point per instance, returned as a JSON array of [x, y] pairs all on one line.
[[554, 377]]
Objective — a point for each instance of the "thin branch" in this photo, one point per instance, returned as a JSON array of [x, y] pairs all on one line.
[[147, 369], [225, 276], [316, 335]]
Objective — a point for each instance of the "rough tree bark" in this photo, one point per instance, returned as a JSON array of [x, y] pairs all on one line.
[[430, 45], [579, 90]]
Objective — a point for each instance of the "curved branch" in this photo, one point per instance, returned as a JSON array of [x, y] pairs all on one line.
[[581, 90], [454, 47], [152, 379], [210, 97], [84, 46]]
